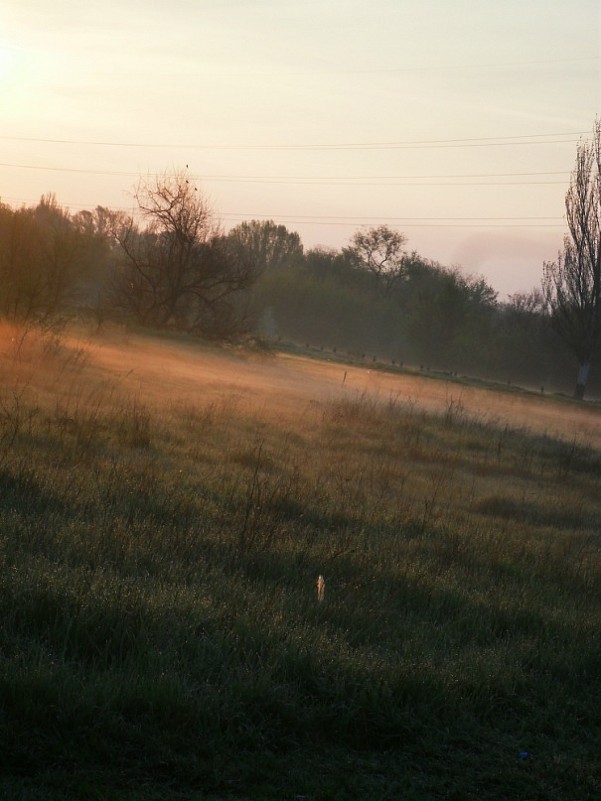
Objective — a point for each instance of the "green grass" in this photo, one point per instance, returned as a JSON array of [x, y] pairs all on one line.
[[161, 636]]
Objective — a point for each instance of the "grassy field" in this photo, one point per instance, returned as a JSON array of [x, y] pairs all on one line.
[[165, 511]]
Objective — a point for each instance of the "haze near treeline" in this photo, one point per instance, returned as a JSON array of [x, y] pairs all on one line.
[[170, 267]]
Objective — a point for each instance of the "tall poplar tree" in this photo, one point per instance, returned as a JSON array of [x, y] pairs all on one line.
[[572, 284]]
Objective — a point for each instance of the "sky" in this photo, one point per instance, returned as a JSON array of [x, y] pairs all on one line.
[[454, 123]]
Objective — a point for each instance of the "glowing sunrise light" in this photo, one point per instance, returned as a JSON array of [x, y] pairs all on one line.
[[7, 58]]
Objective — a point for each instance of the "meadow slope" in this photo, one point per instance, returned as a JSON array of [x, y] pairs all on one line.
[[165, 511], [159, 370]]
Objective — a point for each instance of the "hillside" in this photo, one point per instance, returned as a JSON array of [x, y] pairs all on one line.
[[165, 511], [160, 372]]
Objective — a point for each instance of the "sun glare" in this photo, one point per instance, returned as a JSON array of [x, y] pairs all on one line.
[[14, 96], [6, 60]]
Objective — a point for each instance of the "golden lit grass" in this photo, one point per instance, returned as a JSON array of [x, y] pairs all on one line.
[[283, 383]]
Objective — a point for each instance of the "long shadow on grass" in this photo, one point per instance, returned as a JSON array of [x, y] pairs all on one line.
[[23, 494]]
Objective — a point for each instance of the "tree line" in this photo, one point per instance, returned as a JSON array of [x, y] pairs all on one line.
[[171, 265], [420, 313]]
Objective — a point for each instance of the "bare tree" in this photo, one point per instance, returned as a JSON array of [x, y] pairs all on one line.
[[178, 269], [380, 251], [572, 284]]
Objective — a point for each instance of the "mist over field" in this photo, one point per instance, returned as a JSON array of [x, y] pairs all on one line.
[[161, 372], [168, 510]]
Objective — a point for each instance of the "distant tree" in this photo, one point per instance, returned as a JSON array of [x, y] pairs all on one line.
[[526, 303], [326, 263], [572, 284], [476, 289], [178, 270], [524, 347], [40, 260], [446, 314], [380, 251], [265, 245], [100, 256]]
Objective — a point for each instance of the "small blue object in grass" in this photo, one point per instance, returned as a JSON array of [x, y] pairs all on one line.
[[523, 754]]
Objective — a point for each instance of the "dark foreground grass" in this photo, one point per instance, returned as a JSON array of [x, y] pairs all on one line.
[[161, 636]]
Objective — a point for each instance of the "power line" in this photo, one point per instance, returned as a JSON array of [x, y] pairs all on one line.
[[478, 66], [320, 218], [353, 221], [204, 176], [312, 73], [73, 169], [393, 180], [405, 225], [376, 177], [485, 141], [409, 222]]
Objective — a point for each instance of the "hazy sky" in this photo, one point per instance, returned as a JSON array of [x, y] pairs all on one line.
[[456, 123]]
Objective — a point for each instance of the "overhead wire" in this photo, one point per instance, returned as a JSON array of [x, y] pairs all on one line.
[[399, 222], [485, 141], [358, 180], [314, 73], [459, 180], [356, 220]]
